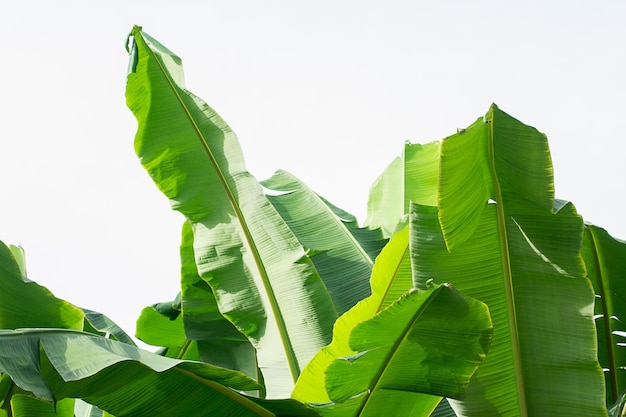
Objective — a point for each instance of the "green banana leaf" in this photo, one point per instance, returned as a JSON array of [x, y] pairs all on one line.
[[383, 349], [335, 243], [24, 303], [127, 381], [498, 236], [605, 258], [191, 327], [413, 176], [391, 278], [260, 274]]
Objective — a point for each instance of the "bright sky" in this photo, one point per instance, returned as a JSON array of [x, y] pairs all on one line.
[[328, 90]]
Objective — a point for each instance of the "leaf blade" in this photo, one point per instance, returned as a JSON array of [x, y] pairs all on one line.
[[261, 276]]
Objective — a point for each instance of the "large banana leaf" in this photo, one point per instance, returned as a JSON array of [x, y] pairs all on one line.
[[499, 237], [24, 303], [605, 258], [335, 243], [191, 327], [413, 176], [405, 353], [261, 277], [127, 381]]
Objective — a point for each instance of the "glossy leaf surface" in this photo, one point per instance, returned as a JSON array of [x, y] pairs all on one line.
[[496, 237], [263, 281], [335, 243], [376, 357], [191, 327]]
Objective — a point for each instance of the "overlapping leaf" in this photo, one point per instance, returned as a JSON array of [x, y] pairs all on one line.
[[261, 277], [336, 245], [383, 352], [125, 380], [413, 176], [191, 327], [496, 237]]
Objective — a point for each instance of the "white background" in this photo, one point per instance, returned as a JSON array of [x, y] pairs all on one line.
[[328, 90]]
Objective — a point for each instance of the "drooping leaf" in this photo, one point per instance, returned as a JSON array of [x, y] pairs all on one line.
[[24, 303], [192, 327], [336, 244], [605, 259], [127, 381], [497, 238], [413, 176], [261, 277], [218, 341]]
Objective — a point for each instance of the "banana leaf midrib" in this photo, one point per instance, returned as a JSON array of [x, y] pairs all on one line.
[[289, 350], [607, 324], [399, 340], [506, 269], [389, 284]]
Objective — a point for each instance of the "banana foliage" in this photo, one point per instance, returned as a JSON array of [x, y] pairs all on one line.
[[469, 291]]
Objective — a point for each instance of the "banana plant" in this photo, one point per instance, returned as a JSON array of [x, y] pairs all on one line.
[[261, 277], [203, 158], [470, 282]]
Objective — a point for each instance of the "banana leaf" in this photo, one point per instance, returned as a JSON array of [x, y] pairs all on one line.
[[123, 380], [335, 243], [261, 277], [413, 176], [24, 303], [191, 327], [499, 236], [605, 259], [407, 352]]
